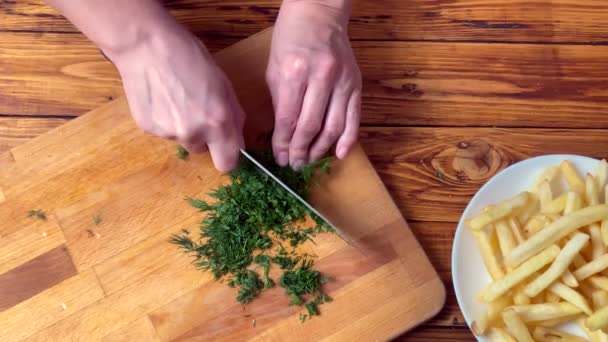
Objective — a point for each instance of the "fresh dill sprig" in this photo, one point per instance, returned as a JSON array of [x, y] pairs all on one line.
[[39, 214], [97, 219], [181, 152]]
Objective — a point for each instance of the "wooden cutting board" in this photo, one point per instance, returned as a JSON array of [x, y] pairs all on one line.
[[68, 279]]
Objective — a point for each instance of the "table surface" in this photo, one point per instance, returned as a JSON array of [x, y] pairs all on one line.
[[454, 91]]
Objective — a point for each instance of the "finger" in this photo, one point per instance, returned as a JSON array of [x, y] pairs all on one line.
[[225, 141], [333, 126], [199, 147], [351, 125], [309, 124], [288, 96]]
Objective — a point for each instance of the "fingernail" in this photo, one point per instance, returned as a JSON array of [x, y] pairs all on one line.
[[283, 159], [342, 152], [298, 164]]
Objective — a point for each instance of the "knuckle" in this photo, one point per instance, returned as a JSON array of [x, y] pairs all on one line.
[[327, 67], [295, 67], [333, 131], [310, 127], [216, 122]]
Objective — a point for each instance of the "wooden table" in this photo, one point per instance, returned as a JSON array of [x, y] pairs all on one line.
[[455, 90]]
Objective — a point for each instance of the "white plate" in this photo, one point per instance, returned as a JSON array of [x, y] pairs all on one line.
[[468, 271]]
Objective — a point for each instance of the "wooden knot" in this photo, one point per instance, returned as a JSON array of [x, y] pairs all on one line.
[[468, 160]]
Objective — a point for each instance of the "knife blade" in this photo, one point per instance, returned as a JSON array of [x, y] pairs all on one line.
[[267, 172]]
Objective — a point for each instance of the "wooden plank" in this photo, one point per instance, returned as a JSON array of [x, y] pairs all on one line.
[[430, 168], [422, 84], [570, 21], [122, 308], [35, 276], [15, 130], [140, 330], [49, 307], [32, 239], [427, 333]]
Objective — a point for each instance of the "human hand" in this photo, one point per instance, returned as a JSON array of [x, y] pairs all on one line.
[[175, 90], [314, 81]]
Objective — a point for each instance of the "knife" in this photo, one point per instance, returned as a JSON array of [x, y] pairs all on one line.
[[298, 197]]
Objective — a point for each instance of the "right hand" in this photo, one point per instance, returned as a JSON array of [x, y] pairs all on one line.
[[176, 91]]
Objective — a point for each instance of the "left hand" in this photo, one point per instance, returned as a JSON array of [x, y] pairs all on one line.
[[314, 81]]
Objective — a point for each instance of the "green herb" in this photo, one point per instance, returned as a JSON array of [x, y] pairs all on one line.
[[264, 261], [181, 152], [97, 219], [439, 174], [39, 214], [303, 317], [244, 220]]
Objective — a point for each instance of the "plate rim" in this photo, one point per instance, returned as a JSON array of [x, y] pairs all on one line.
[[461, 226]]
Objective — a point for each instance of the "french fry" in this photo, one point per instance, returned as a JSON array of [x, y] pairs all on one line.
[[521, 299], [516, 229], [543, 312], [595, 336], [592, 192], [500, 335], [548, 175], [599, 282], [532, 207], [598, 247], [601, 174], [499, 211], [598, 320], [573, 202], [555, 231], [572, 177], [569, 279], [551, 335], [559, 265], [550, 323], [504, 284], [516, 327], [591, 268], [604, 232], [557, 205], [545, 195], [506, 241], [490, 316], [488, 254], [571, 296], [536, 223]]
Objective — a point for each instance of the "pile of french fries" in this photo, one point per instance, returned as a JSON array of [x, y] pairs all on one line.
[[547, 253]]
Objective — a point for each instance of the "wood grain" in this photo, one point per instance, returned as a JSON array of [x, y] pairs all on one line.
[[34, 238], [434, 334], [35, 276], [421, 84], [140, 330], [15, 131], [489, 20], [49, 307]]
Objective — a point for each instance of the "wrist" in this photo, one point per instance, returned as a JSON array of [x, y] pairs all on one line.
[[338, 9]]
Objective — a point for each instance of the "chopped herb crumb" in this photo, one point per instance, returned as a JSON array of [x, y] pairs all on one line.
[[39, 214], [97, 219], [182, 153]]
